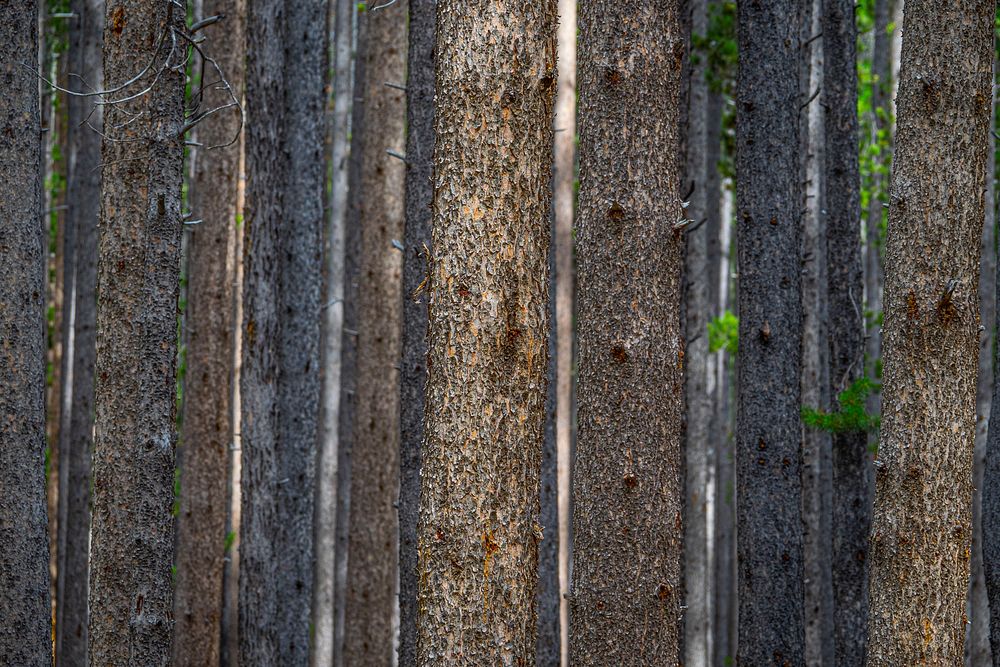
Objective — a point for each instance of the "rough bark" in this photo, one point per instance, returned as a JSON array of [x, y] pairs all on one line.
[[488, 327], [922, 523], [286, 48], [372, 562], [628, 488], [84, 199], [563, 201], [851, 470], [138, 277], [25, 610], [419, 200], [207, 425], [768, 458], [978, 635], [699, 367], [324, 597]]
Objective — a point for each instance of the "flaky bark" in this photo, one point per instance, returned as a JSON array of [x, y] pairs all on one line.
[[768, 458], [138, 277], [207, 425], [84, 200], [922, 524], [851, 470], [372, 563], [286, 47], [419, 200], [25, 612], [628, 480], [488, 326]]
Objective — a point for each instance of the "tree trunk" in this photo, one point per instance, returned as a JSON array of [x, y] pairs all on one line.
[[628, 480], [324, 597], [84, 197], [372, 562], [768, 456], [488, 328], [25, 610], [700, 374], [139, 274], [207, 425], [922, 524], [851, 471], [280, 379]]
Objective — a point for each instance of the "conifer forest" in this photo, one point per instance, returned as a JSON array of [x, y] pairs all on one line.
[[520, 333]]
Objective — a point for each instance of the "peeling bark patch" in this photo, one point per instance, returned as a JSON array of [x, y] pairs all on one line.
[[118, 21]]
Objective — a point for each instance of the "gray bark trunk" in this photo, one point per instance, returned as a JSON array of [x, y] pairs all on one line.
[[132, 548], [922, 519], [84, 200], [324, 597], [286, 50], [207, 430], [699, 370], [851, 459], [419, 200], [487, 338], [25, 611], [768, 459], [628, 488]]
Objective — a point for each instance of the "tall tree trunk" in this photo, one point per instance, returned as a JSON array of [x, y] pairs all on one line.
[[286, 47], [419, 201], [487, 337], [372, 562], [768, 457], [324, 597], [699, 371], [25, 611], [84, 197], [139, 274], [628, 480], [851, 471], [207, 425], [922, 524]]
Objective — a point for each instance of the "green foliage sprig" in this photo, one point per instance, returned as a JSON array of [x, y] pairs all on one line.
[[852, 415], [724, 333]]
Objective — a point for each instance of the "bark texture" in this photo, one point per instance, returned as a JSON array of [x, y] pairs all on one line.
[[324, 597], [417, 241], [768, 458], [286, 48], [488, 327], [25, 611], [921, 529], [699, 368], [207, 430], [628, 488], [851, 470], [372, 564], [131, 591], [84, 201]]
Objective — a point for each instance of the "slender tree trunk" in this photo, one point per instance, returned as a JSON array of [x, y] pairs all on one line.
[[25, 611], [488, 328], [372, 563], [922, 523], [207, 426], [978, 636], [851, 470], [700, 374], [286, 45], [84, 197], [628, 480], [324, 598], [419, 201], [768, 457], [139, 270], [563, 201]]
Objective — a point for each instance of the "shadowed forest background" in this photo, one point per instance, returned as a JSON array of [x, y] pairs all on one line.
[[497, 332]]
